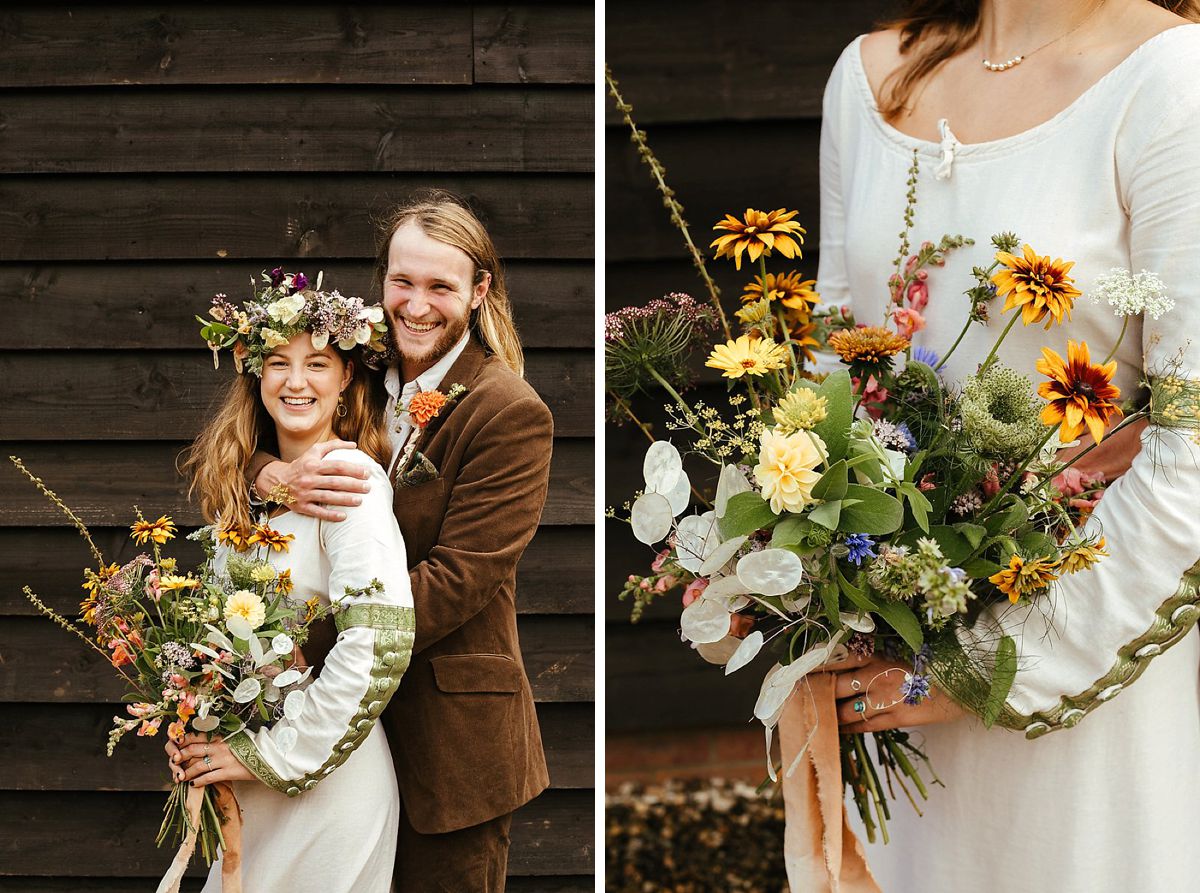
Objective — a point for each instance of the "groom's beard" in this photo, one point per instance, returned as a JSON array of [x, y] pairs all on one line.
[[452, 331]]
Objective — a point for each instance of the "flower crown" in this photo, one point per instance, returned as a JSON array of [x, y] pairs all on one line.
[[283, 306]]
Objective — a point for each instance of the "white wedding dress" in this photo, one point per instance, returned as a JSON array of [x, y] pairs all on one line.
[[1113, 804], [324, 817]]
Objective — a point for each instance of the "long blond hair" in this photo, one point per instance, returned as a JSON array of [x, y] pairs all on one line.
[[942, 29], [240, 426], [446, 217]]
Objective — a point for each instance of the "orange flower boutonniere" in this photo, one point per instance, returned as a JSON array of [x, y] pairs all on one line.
[[428, 405]]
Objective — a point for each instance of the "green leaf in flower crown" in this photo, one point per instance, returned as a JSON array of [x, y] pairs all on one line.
[[872, 511], [1010, 515], [901, 618], [832, 484], [834, 429], [1002, 680], [827, 514], [744, 514]]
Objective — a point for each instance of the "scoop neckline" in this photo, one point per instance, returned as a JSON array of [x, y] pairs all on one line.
[[1035, 132]]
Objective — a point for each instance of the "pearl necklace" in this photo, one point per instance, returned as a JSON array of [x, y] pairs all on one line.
[[1018, 59]]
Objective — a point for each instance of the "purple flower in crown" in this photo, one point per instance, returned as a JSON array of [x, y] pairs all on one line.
[[299, 283], [277, 276]]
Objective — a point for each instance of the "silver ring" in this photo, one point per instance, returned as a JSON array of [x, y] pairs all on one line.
[[207, 760], [855, 685]]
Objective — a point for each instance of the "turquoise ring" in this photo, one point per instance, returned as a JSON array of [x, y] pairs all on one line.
[[860, 706]]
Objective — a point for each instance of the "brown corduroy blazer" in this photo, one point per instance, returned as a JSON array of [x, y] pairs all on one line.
[[462, 727]]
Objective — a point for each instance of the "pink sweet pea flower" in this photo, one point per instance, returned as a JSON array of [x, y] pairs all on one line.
[[665, 582], [693, 590], [659, 560]]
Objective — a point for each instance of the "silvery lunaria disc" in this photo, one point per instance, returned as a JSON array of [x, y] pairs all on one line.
[[771, 571], [704, 621], [651, 517], [662, 466], [696, 537]]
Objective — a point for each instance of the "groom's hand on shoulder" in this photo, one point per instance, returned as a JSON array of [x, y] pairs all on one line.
[[316, 484]]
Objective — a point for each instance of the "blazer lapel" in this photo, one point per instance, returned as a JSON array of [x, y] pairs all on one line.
[[463, 372]]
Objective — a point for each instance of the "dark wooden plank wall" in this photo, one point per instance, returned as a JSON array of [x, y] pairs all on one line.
[[151, 156], [731, 103]]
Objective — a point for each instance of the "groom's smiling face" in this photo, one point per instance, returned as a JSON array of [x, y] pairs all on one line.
[[429, 292]]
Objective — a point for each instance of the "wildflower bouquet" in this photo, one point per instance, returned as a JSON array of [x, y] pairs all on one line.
[[875, 507], [213, 650]]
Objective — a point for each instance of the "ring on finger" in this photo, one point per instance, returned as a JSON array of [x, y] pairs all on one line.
[[859, 705], [855, 685], [207, 760]]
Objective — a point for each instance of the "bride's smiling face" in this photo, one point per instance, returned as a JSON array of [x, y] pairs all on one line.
[[300, 388]]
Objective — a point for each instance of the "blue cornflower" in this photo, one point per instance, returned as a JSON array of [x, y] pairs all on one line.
[[924, 355], [914, 688], [860, 546]]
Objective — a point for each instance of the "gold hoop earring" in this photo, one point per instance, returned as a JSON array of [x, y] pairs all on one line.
[[341, 410]]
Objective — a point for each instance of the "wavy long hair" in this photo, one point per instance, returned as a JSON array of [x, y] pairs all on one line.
[[940, 29], [447, 218], [240, 426]]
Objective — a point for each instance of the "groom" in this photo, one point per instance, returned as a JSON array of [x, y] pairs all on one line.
[[469, 483]]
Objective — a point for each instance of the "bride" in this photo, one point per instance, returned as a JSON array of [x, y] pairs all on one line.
[[307, 826], [1075, 125]]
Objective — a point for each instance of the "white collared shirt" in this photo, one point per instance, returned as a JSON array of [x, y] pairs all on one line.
[[400, 428]]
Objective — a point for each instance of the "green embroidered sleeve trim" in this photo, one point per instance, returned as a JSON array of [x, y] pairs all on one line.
[[242, 746], [375, 616], [395, 628], [1175, 402], [1173, 620]]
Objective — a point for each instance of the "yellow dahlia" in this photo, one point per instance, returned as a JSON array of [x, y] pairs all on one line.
[[1080, 393], [248, 606], [759, 232], [1025, 577], [747, 356], [786, 468], [1038, 285]]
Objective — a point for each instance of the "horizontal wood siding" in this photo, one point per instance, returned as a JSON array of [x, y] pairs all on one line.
[[152, 156], [731, 105]]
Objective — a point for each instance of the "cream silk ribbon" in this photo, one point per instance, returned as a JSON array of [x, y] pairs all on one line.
[[231, 830], [820, 851]]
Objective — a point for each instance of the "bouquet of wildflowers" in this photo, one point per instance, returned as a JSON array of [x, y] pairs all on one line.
[[212, 650], [283, 305], [871, 506]]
